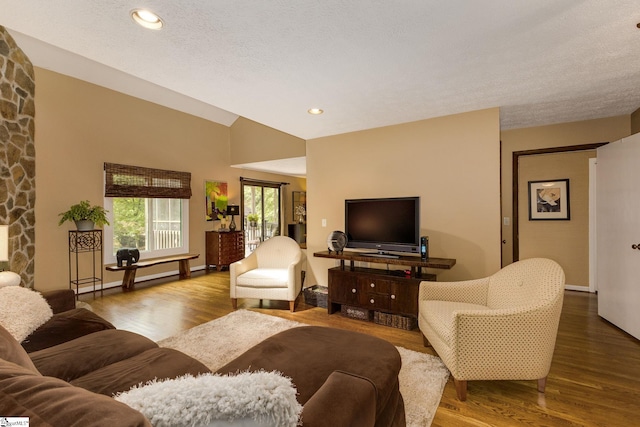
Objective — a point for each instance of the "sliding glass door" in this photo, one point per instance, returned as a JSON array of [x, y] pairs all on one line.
[[260, 211]]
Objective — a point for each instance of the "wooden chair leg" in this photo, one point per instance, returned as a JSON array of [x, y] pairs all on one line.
[[425, 341], [461, 389], [542, 384], [292, 305], [234, 303]]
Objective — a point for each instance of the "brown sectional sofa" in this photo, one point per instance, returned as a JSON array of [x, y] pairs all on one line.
[[77, 361]]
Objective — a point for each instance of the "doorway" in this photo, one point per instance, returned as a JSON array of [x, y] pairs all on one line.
[[261, 211], [567, 242]]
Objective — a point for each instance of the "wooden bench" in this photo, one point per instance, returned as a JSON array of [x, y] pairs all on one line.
[[130, 270]]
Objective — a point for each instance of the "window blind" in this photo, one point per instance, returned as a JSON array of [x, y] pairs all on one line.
[[137, 181]]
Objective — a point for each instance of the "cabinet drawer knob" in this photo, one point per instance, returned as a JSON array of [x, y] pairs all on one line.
[[393, 297], [372, 301], [353, 290], [373, 285]]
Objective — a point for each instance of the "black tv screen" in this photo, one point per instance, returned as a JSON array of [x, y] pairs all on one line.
[[384, 224]]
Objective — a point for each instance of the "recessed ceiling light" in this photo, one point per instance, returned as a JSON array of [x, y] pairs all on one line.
[[315, 111], [147, 19]]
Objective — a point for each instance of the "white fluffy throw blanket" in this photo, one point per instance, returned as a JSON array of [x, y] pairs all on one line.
[[22, 311], [265, 398]]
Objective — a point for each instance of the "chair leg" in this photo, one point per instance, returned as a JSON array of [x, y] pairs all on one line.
[[425, 341], [292, 305], [461, 389], [234, 303], [542, 384]]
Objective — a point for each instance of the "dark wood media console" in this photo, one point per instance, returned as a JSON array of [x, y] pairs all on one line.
[[390, 291]]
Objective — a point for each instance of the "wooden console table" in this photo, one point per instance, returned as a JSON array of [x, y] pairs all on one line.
[[390, 291]]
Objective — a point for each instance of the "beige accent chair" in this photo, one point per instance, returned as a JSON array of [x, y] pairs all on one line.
[[501, 327], [273, 271]]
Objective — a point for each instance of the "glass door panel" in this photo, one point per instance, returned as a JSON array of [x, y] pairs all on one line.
[[261, 212]]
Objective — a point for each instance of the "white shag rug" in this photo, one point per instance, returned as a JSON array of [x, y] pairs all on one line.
[[216, 343]]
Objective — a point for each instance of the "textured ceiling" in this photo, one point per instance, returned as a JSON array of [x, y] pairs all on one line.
[[367, 63]]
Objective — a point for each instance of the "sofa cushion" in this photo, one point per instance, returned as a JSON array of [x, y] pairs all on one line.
[[12, 351], [267, 398], [63, 327], [60, 299], [49, 401], [22, 310], [154, 363], [264, 278], [78, 357]]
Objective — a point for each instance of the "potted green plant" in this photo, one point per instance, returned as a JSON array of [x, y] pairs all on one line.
[[85, 216], [253, 220]]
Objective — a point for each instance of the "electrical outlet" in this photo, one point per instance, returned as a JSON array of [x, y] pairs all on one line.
[[324, 222]]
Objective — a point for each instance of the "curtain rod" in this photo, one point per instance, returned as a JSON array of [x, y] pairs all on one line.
[[259, 181]]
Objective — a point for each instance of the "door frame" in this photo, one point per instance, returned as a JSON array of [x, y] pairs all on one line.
[[516, 178], [593, 260]]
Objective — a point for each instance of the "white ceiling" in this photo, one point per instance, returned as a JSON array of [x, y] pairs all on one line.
[[367, 63]]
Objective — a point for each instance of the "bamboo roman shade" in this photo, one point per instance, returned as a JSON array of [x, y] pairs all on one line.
[[136, 181]]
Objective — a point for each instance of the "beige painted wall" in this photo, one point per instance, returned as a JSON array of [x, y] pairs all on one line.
[[566, 242], [254, 142], [559, 135], [79, 126], [635, 121], [451, 162]]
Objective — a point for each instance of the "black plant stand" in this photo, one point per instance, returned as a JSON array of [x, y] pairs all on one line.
[[82, 246]]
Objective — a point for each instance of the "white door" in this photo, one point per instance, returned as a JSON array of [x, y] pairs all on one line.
[[618, 233]]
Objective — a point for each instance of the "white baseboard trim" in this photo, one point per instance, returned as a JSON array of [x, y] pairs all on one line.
[[110, 285], [576, 288]]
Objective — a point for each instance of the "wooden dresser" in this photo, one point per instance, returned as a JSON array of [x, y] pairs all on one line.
[[223, 248]]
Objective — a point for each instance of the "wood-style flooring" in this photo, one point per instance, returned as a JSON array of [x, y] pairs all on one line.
[[594, 378]]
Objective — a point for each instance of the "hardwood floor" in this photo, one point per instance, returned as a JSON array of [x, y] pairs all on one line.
[[594, 378]]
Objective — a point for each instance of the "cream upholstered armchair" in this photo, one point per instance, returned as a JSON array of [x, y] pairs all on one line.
[[273, 271], [501, 327]]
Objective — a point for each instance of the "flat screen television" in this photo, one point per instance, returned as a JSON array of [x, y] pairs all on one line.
[[384, 224]]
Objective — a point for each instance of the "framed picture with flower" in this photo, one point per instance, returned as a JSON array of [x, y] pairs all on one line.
[[549, 200]]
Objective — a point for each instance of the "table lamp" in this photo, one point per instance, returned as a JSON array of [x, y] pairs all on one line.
[[7, 278], [233, 210]]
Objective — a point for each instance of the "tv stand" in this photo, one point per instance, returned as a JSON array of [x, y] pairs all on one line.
[[381, 255], [389, 291]]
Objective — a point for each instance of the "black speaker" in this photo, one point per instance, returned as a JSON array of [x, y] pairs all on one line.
[[424, 248]]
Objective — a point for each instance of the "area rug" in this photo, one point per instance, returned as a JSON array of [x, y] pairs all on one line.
[[215, 343]]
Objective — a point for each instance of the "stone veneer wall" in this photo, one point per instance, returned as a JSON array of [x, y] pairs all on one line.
[[17, 156]]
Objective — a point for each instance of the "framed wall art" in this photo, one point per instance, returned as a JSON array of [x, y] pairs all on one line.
[[549, 200], [216, 200]]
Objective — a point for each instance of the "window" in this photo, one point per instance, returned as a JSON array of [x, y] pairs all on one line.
[[148, 210], [157, 227]]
